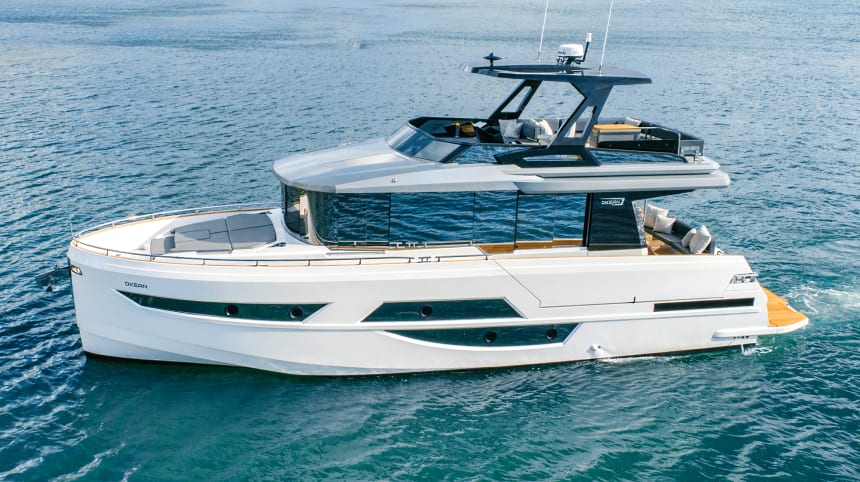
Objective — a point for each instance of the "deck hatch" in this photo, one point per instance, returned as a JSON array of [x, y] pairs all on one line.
[[241, 311], [506, 336], [443, 310], [704, 305]]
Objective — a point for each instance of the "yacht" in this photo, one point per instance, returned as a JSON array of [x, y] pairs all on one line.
[[454, 243]]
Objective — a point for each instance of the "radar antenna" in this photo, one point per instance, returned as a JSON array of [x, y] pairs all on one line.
[[569, 54], [540, 47], [491, 57], [605, 36]]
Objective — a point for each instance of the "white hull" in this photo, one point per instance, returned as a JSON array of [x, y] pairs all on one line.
[[533, 247], [611, 299]]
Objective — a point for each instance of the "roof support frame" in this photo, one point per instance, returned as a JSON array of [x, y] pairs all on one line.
[[593, 98], [500, 112]]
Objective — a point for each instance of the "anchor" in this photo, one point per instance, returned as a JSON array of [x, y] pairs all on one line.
[[48, 279]]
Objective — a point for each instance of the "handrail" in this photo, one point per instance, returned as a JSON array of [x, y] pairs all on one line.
[[669, 130], [273, 261], [176, 212], [393, 244], [431, 244], [209, 261], [460, 256], [204, 261]]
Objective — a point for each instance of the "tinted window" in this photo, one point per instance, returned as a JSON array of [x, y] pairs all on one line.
[[495, 215], [550, 216], [615, 223], [569, 215], [363, 218], [535, 217], [323, 207], [483, 217], [431, 217]]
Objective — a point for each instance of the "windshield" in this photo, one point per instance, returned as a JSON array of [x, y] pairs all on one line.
[[411, 142]]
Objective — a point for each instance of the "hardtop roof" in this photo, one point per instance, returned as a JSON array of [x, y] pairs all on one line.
[[581, 77]]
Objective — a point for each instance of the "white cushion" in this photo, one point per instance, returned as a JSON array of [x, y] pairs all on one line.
[[700, 240], [663, 224], [510, 128], [685, 242], [651, 212], [545, 127]]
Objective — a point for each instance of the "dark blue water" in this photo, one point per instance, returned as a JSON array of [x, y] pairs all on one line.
[[109, 109]]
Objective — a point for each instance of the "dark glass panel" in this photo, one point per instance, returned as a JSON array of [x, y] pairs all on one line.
[[535, 217], [494, 336], [569, 215], [705, 304], [495, 216], [292, 215], [246, 311], [408, 141], [636, 157], [481, 154], [431, 217], [352, 218], [323, 208], [377, 208], [483, 217], [615, 223], [363, 218], [443, 310]]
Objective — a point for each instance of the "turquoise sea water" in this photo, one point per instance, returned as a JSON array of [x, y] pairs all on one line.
[[109, 109]]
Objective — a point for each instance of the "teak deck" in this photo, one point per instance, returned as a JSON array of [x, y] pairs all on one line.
[[778, 311], [498, 248], [657, 247]]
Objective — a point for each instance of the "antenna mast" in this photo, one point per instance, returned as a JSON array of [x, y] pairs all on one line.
[[605, 36], [540, 47]]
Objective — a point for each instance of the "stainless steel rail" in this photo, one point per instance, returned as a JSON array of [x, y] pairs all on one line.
[[177, 212], [212, 261]]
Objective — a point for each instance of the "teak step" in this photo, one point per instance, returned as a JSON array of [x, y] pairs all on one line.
[[778, 311]]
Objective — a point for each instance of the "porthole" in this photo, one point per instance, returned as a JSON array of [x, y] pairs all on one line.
[[551, 334], [425, 311], [490, 336], [231, 310], [297, 313]]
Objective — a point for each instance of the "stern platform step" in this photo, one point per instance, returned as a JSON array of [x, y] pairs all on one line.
[[779, 313]]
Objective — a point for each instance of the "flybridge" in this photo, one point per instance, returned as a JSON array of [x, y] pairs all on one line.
[[359, 195], [508, 150], [594, 87]]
